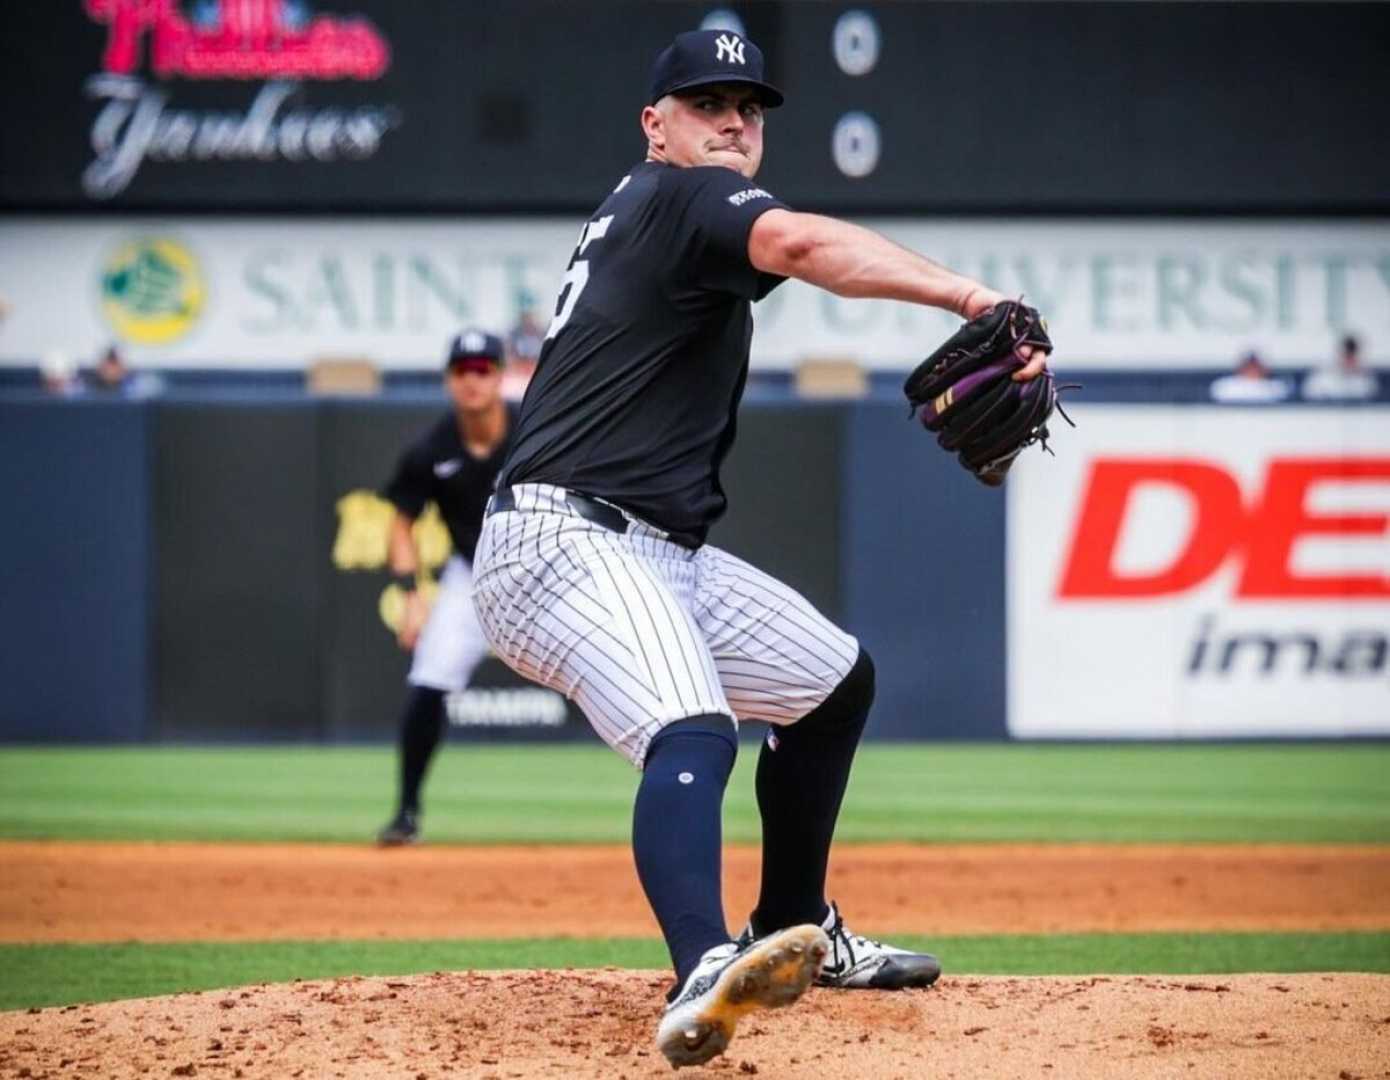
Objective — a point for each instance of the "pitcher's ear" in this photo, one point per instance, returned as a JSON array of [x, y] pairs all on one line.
[[654, 125]]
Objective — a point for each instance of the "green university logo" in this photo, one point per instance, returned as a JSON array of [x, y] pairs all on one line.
[[152, 291]]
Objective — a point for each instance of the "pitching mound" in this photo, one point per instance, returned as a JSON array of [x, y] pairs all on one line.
[[599, 1024]]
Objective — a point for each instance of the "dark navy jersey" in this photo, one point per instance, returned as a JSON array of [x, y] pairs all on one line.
[[637, 387], [438, 468]]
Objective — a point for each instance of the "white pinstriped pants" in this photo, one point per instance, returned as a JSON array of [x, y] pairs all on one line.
[[451, 644], [641, 632]]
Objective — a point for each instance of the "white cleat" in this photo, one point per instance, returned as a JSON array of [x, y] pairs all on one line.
[[730, 981], [860, 963]]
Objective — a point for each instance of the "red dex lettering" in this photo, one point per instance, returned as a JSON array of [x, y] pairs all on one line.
[[1259, 532]]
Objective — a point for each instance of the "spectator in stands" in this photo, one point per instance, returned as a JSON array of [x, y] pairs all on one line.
[[524, 343], [58, 374], [1251, 383], [1346, 380], [113, 376]]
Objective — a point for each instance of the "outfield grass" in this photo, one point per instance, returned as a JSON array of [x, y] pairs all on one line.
[[500, 794], [45, 975]]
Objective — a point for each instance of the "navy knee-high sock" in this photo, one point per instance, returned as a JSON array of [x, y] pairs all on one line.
[[422, 724], [676, 833], [803, 770]]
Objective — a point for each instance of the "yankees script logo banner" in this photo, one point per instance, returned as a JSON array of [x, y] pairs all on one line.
[[275, 45], [1200, 572]]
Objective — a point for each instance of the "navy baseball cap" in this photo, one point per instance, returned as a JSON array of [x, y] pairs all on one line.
[[700, 57], [473, 344]]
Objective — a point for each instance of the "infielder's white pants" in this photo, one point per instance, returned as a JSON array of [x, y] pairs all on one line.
[[641, 632], [451, 644]]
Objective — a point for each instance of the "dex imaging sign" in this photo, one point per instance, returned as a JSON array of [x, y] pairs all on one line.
[[1201, 572]]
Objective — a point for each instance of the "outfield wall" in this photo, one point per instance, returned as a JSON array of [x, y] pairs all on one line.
[[194, 570]]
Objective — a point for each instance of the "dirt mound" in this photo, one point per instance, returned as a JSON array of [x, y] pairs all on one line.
[[599, 1024], [234, 892]]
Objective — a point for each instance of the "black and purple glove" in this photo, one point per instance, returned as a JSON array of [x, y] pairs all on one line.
[[964, 391]]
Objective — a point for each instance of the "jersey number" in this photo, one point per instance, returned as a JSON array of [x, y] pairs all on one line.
[[577, 276]]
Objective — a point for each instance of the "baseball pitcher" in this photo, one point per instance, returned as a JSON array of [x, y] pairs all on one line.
[[592, 574]]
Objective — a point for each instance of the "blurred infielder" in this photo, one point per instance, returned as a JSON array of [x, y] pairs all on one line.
[[454, 465], [593, 576]]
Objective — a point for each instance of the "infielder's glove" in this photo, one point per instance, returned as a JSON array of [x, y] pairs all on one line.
[[964, 391]]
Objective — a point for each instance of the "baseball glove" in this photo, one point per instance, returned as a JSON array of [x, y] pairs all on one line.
[[964, 391]]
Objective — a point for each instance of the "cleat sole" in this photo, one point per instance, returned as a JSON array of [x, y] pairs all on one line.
[[772, 974]]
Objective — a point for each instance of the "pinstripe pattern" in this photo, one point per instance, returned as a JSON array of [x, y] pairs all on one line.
[[641, 632]]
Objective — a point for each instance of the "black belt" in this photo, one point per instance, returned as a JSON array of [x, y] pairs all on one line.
[[600, 513]]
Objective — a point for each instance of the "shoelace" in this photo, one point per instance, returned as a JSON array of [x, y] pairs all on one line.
[[838, 933]]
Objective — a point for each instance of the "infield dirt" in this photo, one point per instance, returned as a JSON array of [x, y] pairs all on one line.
[[230, 892], [592, 1024]]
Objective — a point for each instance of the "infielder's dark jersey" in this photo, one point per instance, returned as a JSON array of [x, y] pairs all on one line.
[[438, 468], [635, 394]]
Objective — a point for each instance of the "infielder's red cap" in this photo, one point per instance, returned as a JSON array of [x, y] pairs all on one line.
[[700, 57]]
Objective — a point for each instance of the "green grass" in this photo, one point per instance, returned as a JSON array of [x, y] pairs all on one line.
[[499, 794], [46, 975]]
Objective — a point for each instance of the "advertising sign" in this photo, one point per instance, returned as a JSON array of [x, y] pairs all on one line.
[[261, 292], [273, 45], [1202, 572], [467, 106]]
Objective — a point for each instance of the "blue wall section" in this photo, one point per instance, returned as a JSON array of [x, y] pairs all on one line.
[[166, 572], [236, 639], [923, 565], [74, 571]]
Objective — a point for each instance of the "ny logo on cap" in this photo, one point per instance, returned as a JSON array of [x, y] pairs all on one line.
[[729, 48], [474, 342]]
